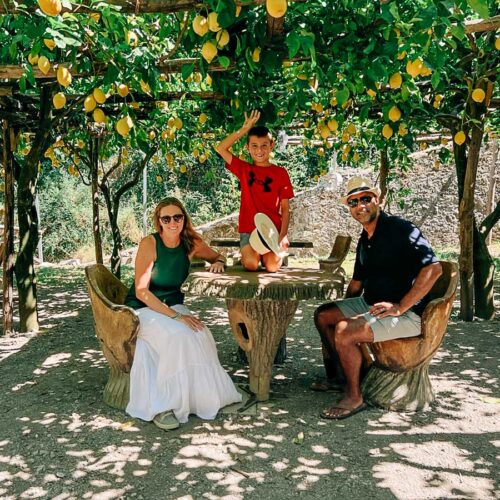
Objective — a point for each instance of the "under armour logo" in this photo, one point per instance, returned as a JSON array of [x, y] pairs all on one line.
[[266, 182]]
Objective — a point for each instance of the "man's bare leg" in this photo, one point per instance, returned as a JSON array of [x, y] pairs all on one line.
[[326, 318], [349, 333]]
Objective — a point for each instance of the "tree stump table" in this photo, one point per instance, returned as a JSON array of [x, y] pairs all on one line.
[[260, 308]]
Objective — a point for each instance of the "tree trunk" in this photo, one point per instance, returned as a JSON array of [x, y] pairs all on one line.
[[490, 202], [28, 218], [96, 229], [384, 171], [484, 273], [8, 234]]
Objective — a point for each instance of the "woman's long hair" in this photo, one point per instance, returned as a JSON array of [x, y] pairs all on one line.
[[188, 235]]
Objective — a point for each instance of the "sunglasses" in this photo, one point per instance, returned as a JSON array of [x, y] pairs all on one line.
[[167, 218], [353, 202]]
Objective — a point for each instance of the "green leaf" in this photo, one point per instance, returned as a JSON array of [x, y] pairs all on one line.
[[293, 43], [458, 31], [224, 61], [342, 96], [187, 70], [22, 84], [435, 79], [480, 6]]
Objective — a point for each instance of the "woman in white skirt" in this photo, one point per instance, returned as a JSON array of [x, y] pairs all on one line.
[[176, 370]]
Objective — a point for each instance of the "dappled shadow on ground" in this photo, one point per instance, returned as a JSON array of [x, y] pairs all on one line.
[[59, 440]]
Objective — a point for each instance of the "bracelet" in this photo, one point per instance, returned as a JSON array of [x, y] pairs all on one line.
[[176, 316], [223, 261]]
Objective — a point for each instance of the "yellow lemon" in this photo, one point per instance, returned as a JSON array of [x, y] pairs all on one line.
[[203, 158], [197, 77], [394, 114], [213, 24], [395, 81], [402, 130], [333, 125], [333, 101], [43, 64], [256, 54], [132, 38], [135, 105], [401, 55], [64, 76], [497, 43], [50, 7], [413, 68], [344, 157], [320, 152], [202, 118], [371, 93], [122, 90], [444, 141], [200, 25], [387, 131], [196, 153], [460, 137], [177, 123], [208, 51], [159, 178], [437, 164], [80, 143], [152, 135], [95, 16], [183, 169], [50, 44], [355, 157], [276, 8], [238, 11], [425, 71], [32, 59], [222, 38], [123, 125], [478, 95], [316, 178], [89, 104], [59, 100], [324, 131], [99, 96], [208, 79], [302, 76], [99, 116], [351, 128]]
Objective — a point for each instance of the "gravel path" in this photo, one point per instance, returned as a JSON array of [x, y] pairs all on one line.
[[59, 440]]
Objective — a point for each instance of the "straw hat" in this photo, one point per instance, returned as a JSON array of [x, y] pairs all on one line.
[[265, 237], [359, 184]]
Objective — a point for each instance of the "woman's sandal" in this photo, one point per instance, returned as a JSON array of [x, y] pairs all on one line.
[[166, 421]]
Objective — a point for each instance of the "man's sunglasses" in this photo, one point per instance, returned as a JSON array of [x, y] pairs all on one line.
[[353, 202], [167, 218]]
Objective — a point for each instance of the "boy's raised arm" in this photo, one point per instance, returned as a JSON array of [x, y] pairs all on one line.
[[225, 144]]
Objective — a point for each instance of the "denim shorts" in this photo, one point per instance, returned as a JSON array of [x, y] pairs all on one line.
[[244, 239], [388, 328]]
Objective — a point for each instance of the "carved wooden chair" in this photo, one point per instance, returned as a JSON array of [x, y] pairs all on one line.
[[338, 254], [116, 328], [398, 377]]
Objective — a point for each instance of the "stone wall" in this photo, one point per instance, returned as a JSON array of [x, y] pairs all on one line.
[[432, 204]]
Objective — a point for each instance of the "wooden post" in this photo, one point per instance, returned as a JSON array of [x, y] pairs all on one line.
[[8, 235]]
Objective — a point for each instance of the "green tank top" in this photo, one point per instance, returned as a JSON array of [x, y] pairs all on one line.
[[169, 272]]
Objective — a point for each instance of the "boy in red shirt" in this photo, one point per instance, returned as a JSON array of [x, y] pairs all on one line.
[[265, 188]]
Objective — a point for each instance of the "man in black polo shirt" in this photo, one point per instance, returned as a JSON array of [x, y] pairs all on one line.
[[394, 271]]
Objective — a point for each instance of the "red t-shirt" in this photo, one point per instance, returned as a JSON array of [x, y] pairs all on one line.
[[262, 189]]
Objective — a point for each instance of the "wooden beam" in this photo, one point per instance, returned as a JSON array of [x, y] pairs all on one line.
[[480, 25], [131, 6]]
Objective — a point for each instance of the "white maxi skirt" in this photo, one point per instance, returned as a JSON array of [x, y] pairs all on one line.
[[176, 368]]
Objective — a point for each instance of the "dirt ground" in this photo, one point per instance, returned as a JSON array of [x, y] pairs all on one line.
[[59, 440]]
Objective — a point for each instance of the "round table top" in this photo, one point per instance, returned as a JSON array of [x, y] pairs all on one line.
[[286, 284]]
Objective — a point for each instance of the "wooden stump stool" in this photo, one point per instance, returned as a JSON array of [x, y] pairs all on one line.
[[398, 379], [116, 328]]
